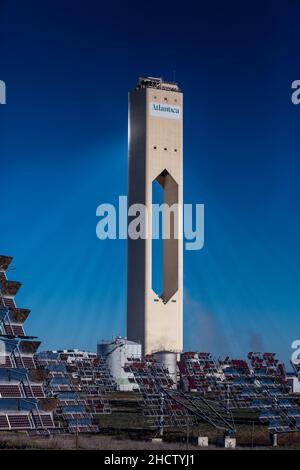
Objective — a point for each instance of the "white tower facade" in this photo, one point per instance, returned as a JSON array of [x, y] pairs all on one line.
[[155, 153]]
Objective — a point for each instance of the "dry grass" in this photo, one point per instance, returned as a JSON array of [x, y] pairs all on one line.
[[98, 442], [84, 442]]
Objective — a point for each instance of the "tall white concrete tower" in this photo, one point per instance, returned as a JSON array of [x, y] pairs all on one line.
[[155, 153]]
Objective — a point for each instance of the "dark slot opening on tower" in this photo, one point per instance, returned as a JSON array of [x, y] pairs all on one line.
[[165, 250]]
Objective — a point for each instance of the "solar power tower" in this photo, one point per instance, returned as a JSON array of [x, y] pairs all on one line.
[[155, 154]]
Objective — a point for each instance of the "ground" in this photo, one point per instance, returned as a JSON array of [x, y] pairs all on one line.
[[126, 428]]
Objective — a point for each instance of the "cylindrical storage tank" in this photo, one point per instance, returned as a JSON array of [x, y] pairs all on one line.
[[116, 353], [109, 351], [169, 361]]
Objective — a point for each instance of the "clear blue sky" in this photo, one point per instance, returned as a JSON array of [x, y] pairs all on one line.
[[68, 66]]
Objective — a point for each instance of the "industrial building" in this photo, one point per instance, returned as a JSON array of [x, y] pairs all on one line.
[[154, 319], [117, 352], [74, 355]]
